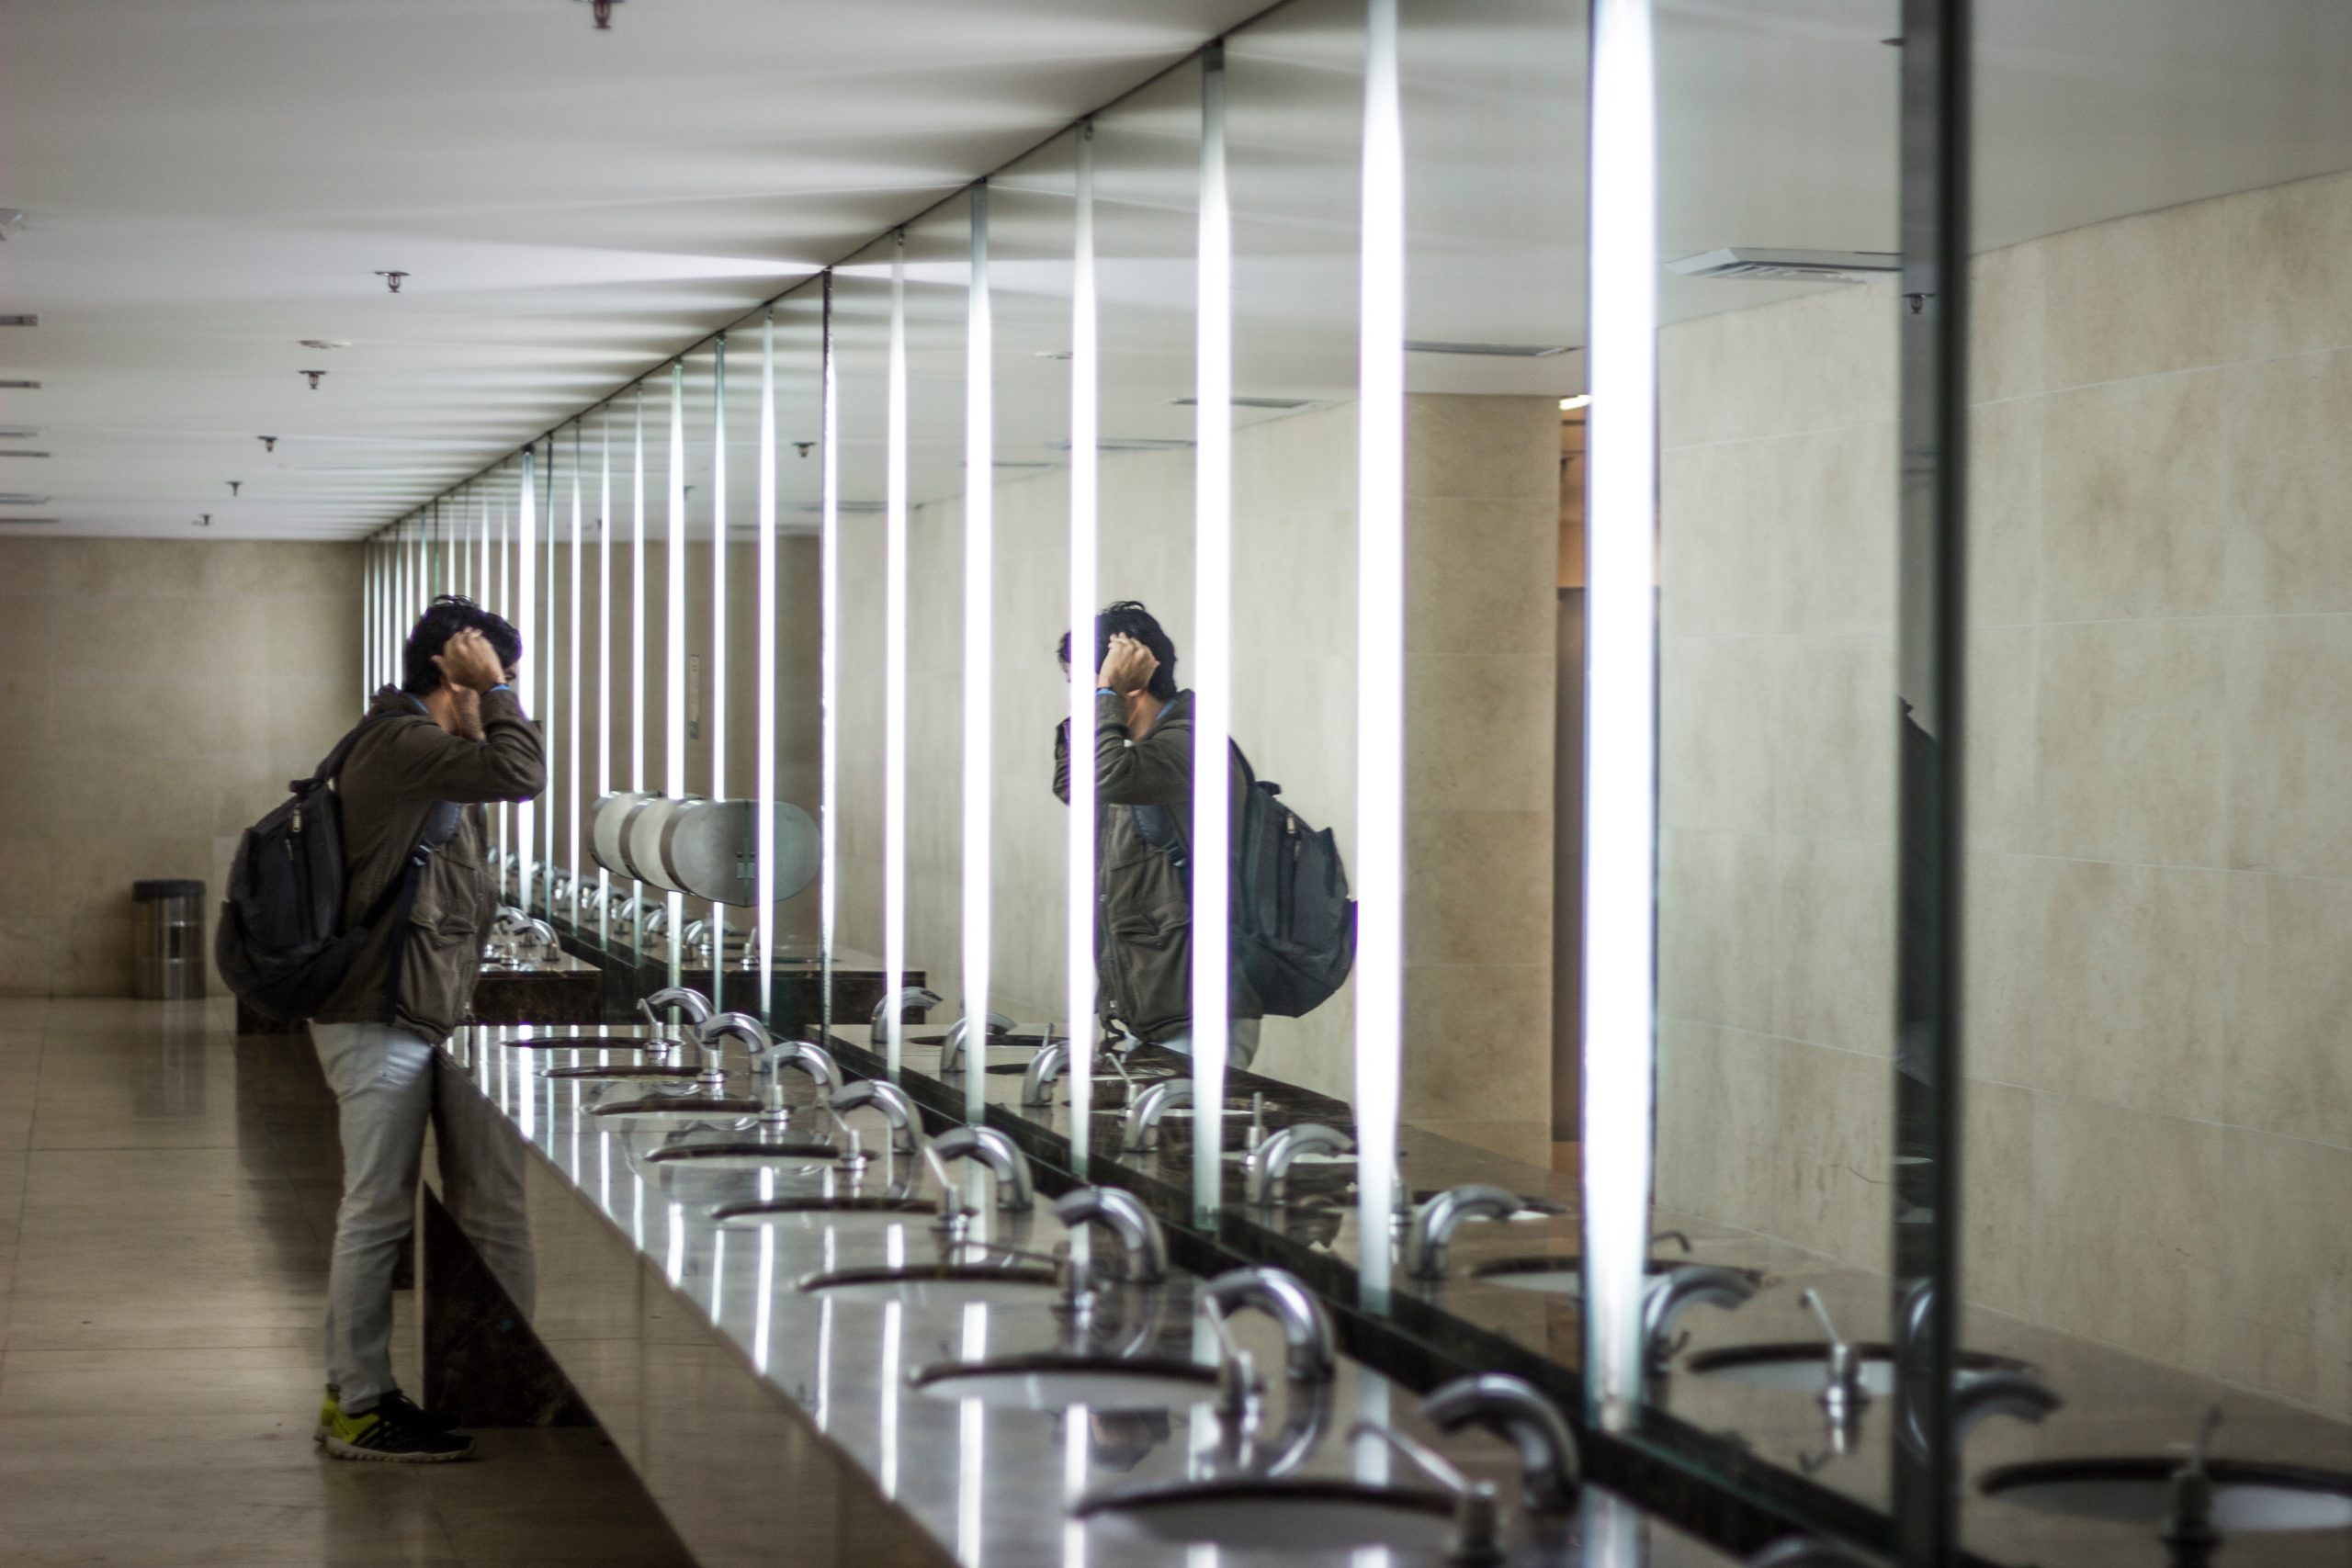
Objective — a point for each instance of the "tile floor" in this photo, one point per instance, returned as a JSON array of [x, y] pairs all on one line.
[[167, 1195]]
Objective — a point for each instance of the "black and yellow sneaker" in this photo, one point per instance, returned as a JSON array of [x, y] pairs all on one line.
[[394, 1432]]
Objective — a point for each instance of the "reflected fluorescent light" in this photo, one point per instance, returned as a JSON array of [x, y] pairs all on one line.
[[1213, 642], [673, 565], [718, 622], [894, 666], [571, 624], [534, 656], [763, 745], [1282, 403], [1756, 265], [1085, 477], [979, 665], [829, 553], [1620, 762], [1380, 654], [1582, 399]]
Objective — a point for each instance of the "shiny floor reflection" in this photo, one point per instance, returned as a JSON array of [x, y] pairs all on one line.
[[167, 1196]]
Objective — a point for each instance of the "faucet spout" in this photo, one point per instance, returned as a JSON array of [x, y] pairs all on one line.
[[992, 1149], [1144, 1247], [1050, 1062], [1140, 1128], [1265, 1173], [1434, 1223], [890, 1013], [951, 1050], [1311, 1354], [1668, 1295], [906, 1123], [1551, 1469]]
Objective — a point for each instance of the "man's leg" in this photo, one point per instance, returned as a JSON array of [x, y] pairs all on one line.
[[382, 1079], [481, 1184]]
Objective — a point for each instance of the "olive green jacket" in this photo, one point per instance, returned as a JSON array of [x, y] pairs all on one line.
[[1143, 926], [398, 772]]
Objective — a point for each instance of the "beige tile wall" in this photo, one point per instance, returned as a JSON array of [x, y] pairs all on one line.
[[1483, 511], [2159, 1022], [154, 698]]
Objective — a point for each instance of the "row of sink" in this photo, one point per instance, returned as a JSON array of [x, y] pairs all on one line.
[[677, 1091]]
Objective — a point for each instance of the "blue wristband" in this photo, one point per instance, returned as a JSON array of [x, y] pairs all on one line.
[[1104, 691], [502, 686]]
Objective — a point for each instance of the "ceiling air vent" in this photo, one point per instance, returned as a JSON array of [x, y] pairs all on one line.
[[19, 452], [1283, 404], [1129, 443], [859, 507], [19, 320], [21, 497], [19, 386], [1788, 266], [14, 522], [1491, 350]]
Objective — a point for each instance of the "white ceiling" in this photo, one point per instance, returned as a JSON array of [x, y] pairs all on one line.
[[207, 182]]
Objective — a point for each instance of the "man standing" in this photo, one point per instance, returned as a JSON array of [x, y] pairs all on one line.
[[1143, 781], [449, 738]]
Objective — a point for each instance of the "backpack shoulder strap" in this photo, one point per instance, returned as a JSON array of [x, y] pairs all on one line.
[[332, 763]]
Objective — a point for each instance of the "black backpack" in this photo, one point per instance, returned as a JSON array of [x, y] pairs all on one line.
[[280, 943], [1294, 937]]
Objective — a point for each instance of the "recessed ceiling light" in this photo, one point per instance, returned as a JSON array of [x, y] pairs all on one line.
[[1492, 350], [20, 386], [1129, 443], [19, 432], [1569, 405], [5, 452], [21, 497], [1049, 354], [1250, 403], [326, 342], [21, 521], [19, 320]]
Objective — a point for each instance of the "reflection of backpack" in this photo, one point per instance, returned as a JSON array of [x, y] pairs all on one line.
[[280, 942], [1294, 937]]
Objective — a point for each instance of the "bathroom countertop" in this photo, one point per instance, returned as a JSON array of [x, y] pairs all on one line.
[[983, 1485], [2116, 1403]]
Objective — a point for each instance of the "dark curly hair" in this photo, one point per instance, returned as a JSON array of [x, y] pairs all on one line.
[[443, 619], [1129, 618]]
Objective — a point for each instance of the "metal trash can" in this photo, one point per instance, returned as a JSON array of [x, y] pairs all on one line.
[[167, 939]]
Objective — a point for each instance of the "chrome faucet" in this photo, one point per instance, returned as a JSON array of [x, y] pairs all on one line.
[[906, 1123], [803, 1057], [1435, 1221], [1551, 1469], [2187, 1525], [1842, 1393], [1037, 1084], [951, 1050], [1312, 1355], [1265, 1170], [1667, 1296], [894, 1007], [1477, 1532], [742, 1026], [991, 1149], [1143, 1245], [693, 1003], [1140, 1128]]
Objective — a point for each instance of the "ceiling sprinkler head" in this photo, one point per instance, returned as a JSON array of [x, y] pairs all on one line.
[[205, 521], [803, 447], [234, 486], [603, 11], [268, 443], [391, 280], [316, 377]]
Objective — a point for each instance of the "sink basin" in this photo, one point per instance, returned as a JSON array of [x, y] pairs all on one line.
[[679, 1107], [578, 1043], [753, 1154], [1258, 1514], [1055, 1382], [2249, 1498], [937, 1284], [1564, 1275], [1803, 1367], [816, 1208], [621, 1070]]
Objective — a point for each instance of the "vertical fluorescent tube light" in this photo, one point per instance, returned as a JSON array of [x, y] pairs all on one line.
[[572, 862], [534, 656], [637, 659], [505, 606], [718, 703], [979, 657], [1211, 647], [828, 590], [894, 663], [675, 673], [1380, 650], [1620, 762], [543, 585], [605, 665], [764, 743], [1085, 479]]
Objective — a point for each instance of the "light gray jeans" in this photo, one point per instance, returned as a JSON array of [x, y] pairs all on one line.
[[388, 1087]]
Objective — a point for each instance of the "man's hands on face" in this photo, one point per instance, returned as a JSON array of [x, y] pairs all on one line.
[[1127, 667], [468, 660]]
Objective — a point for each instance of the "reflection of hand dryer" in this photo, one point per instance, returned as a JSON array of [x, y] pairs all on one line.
[[705, 849]]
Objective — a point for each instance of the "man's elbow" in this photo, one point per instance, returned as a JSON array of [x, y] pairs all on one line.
[[523, 780]]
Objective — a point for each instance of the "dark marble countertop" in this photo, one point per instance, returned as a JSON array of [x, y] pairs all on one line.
[[991, 1485]]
